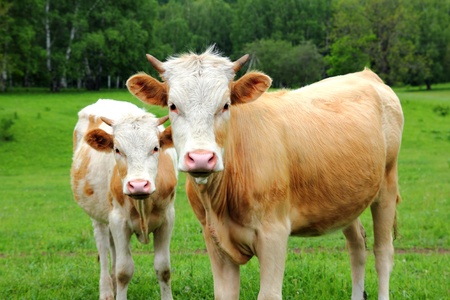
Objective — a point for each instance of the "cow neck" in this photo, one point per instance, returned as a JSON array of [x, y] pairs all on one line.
[[140, 206], [216, 215], [209, 194]]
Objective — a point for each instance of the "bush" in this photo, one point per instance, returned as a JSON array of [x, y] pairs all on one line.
[[441, 110], [5, 125]]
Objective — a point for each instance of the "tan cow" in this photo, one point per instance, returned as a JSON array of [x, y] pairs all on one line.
[[126, 184], [295, 162]]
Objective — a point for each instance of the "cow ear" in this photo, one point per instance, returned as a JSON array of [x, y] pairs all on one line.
[[165, 138], [99, 140], [249, 87], [148, 89]]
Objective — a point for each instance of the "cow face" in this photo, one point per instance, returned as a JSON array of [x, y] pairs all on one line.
[[199, 90], [135, 142]]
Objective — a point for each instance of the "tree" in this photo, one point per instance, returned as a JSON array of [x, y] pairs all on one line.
[[351, 38], [5, 39], [424, 43], [209, 22], [172, 28], [289, 66], [296, 21]]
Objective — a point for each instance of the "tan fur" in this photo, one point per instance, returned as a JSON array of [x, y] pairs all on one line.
[[312, 159]]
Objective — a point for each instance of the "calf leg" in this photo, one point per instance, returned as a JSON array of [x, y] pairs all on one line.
[[101, 234], [161, 243], [356, 244], [383, 215], [124, 261]]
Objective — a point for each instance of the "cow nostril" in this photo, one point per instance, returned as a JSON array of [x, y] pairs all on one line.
[[139, 186]]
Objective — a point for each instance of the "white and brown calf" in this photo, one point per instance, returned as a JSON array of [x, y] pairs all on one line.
[[266, 165], [126, 183]]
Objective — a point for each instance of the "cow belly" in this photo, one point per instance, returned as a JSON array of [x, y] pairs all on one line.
[[95, 203], [326, 217]]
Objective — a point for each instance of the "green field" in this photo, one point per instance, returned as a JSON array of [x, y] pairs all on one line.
[[47, 249]]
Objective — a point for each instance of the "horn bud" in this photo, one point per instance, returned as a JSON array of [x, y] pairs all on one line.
[[156, 64], [237, 65]]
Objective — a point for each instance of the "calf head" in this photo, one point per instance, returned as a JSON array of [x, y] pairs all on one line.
[[136, 143], [199, 91]]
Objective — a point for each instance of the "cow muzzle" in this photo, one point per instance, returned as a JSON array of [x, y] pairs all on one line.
[[200, 163], [139, 189]]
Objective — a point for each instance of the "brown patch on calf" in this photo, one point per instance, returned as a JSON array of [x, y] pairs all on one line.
[[80, 173], [124, 278], [116, 187], [165, 138], [88, 190], [165, 275], [166, 179]]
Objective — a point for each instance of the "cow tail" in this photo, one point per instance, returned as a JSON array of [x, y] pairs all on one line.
[[395, 227]]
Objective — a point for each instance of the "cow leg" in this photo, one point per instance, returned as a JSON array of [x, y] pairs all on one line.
[[271, 248], [383, 215], [161, 243], [225, 271], [101, 234], [124, 261], [112, 248], [356, 244]]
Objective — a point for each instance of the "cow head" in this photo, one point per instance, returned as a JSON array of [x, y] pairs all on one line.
[[199, 90], [136, 142]]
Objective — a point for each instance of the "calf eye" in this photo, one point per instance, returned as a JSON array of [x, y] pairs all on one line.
[[172, 107], [117, 151], [226, 106], [156, 149]]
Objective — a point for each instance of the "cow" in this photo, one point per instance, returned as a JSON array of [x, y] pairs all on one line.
[[125, 180], [266, 165]]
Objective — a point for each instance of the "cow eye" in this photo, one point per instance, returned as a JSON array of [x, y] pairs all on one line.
[[226, 106], [156, 149], [117, 151], [173, 107]]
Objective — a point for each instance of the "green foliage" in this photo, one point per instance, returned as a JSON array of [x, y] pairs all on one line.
[[5, 126], [90, 45], [290, 66], [441, 110]]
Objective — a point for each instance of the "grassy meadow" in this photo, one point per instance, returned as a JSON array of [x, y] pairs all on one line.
[[47, 249]]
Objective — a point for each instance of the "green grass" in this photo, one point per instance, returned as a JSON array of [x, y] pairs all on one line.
[[47, 249]]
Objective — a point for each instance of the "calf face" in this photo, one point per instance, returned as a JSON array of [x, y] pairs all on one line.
[[135, 142], [199, 91]]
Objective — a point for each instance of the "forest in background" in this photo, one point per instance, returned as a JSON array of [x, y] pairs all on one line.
[[99, 43]]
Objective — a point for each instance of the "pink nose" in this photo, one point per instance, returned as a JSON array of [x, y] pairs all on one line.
[[138, 187], [200, 161]]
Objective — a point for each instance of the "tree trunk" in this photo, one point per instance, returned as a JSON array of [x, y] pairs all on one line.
[[69, 48], [54, 84]]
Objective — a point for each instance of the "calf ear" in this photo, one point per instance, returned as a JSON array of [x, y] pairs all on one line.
[[148, 89], [249, 87], [165, 138], [99, 140]]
